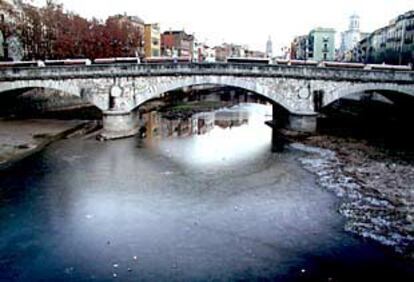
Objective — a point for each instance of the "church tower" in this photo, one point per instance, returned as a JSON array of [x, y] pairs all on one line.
[[354, 23], [269, 48], [350, 38]]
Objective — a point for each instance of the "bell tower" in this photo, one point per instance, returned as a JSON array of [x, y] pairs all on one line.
[[269, 48], [354, 23]]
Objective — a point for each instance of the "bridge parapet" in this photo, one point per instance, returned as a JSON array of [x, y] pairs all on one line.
[[251, 70]]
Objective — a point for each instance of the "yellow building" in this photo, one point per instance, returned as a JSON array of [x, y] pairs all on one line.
[[152, 39]]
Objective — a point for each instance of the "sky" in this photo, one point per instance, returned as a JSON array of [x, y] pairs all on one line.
[[247, 22]]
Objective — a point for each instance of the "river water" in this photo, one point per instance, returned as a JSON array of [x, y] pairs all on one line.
[[196, 200]]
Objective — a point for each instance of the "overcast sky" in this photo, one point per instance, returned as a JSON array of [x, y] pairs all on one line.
[[247, 22]]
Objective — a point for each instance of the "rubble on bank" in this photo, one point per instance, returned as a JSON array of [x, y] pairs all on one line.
[[377, 187]]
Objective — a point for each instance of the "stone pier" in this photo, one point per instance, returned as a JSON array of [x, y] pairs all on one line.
[[282, 119], [278, 122], [119, 124], [302, 123]]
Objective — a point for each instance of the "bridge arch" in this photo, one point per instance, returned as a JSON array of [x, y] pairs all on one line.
[[281, 95], [71, 87], [348, 90]]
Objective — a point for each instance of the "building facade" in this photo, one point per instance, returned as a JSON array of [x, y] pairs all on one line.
[[318, 45], [321, 45], [299, 48], [197, 51], [230, 50], [255, 54], [152, 40], [204, 53], [177, 43], [221, 53], [10, 12], [14, 47], [1, 45], [209, 54], [392, 44], [137, 23]]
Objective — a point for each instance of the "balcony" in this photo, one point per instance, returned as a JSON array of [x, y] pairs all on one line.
[[408, 41]]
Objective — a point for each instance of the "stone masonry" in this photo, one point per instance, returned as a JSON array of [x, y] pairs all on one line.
[[119, 89]]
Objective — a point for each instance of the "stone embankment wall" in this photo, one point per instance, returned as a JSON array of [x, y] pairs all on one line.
[[36, 102]]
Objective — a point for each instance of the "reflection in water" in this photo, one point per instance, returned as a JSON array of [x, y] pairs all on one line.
[[158, 127], [215, 138], [213, 206]]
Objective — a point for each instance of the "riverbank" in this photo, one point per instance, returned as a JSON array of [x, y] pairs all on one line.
[[376, 185], [22, 138]]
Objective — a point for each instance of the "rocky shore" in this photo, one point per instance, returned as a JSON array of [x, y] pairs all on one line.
[[375, 184]]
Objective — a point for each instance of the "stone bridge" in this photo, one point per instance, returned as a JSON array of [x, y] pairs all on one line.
[[300, 91]]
